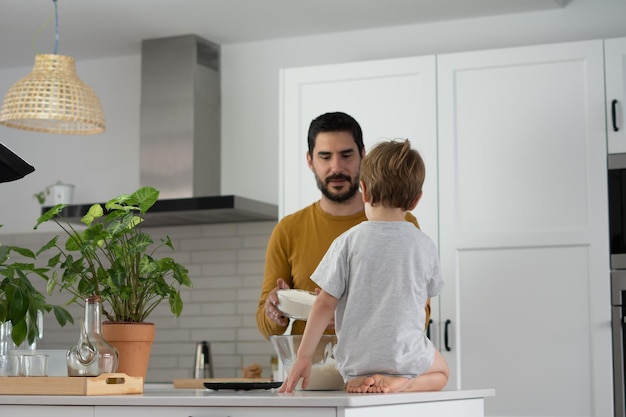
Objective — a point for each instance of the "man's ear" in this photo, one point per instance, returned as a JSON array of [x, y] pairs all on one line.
[[414, 203], [309, 160], [364, 193]]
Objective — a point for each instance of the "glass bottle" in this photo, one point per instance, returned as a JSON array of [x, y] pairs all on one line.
[[82, 358], [107, 355]]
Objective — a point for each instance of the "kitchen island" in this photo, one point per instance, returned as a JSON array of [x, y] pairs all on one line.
[[162, 400]]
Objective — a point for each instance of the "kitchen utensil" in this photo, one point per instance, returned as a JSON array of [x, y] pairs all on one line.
[[324, 374], [193, 383], [295, 304], [242, 385], [28, 363], [203, 365]]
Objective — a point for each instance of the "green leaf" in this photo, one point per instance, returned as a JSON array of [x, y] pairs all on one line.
[[168, 242], [144, 198], [50, 214], [19, 331], [120, 225], [139, 243], [147, 266], [176, 304], [51, 244], [62, 315], [19, 303], [117, 278], [32, 331], [23, 251], [3, 311], [180, 275], [52, 283], [4, 253], [95, 212], [74, 242], [54, 261]]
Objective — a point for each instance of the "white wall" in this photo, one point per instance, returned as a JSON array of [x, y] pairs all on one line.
[[100, 166], [103, 166], [250, 72]]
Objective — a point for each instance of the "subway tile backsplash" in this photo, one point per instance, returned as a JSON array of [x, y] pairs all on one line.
[[225, 263]]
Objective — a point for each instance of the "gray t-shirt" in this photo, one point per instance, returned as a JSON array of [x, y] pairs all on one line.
[[382, 273]]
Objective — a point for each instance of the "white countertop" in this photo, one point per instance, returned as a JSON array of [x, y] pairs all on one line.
[[166, 395]]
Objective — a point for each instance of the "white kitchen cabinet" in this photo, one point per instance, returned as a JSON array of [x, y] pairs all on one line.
[[524, 227], [521, 219], [615, 57], [170, 402], [47, 411], [163, 411]]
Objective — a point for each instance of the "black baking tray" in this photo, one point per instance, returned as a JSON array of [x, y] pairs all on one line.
[[242, 386]]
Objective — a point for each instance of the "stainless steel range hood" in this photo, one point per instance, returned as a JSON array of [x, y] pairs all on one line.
[[180, 137]]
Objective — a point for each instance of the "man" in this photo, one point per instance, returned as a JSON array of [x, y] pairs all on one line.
[[300, 240]]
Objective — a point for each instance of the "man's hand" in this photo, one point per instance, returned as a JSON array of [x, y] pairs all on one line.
[[271, 303]]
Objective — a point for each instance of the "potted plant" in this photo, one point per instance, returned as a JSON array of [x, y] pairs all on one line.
[[20, 301], [113, 258]]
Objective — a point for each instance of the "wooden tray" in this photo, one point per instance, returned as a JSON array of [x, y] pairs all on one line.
[[199, 383], [105, 384]]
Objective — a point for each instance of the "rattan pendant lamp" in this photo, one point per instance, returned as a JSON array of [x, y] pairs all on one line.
[[52, 99]]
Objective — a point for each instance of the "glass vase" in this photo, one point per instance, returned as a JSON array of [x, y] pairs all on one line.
[[104, 358], [6, 342], [82, 358]]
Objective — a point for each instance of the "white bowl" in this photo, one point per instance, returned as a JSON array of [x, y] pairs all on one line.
[[295, 303], [324, 374]]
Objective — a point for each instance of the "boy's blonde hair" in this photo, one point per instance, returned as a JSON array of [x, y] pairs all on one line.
[[393, 174]]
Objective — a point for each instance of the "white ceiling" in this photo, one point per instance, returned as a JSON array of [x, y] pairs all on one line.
[[101, 28]]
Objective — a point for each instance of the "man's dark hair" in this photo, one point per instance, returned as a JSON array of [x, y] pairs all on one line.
[[335, 122]]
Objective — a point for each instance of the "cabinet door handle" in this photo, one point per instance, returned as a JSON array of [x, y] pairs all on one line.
[[428, 328], [614, 115], [445, 336]]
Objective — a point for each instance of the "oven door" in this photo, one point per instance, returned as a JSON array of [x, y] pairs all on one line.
[[618, 317], [617, 209], [619, 388]]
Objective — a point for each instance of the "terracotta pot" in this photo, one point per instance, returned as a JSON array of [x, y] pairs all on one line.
[[134, 342]]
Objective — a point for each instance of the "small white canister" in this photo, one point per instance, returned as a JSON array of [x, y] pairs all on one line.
[[61, 193]]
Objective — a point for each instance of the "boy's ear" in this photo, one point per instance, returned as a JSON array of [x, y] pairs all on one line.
[[364, 193], [414, 203]]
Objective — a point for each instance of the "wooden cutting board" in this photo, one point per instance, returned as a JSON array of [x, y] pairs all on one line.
[[105, 384], [199, 383]]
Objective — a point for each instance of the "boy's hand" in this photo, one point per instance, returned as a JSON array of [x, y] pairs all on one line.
[[300, 369]]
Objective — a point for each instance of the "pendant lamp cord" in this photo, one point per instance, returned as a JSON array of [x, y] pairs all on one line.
[[56, 30], [56, 27]]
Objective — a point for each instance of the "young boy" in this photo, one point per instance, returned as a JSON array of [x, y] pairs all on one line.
[[375, 279]]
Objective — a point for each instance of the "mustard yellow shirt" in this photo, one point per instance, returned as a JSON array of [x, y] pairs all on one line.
[[295, 248]]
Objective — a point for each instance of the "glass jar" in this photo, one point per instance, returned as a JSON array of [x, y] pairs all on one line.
[[6, 342], [93, 355]]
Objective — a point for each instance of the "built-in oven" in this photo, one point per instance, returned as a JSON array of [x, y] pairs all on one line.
[[617, 233], [618, 323], [617, 209]]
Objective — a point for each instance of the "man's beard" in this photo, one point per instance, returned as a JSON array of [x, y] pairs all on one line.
[[341, 197]]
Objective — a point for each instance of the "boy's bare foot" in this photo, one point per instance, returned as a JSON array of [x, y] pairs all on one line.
[[377, 384], [360, 385], [386, 383]]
